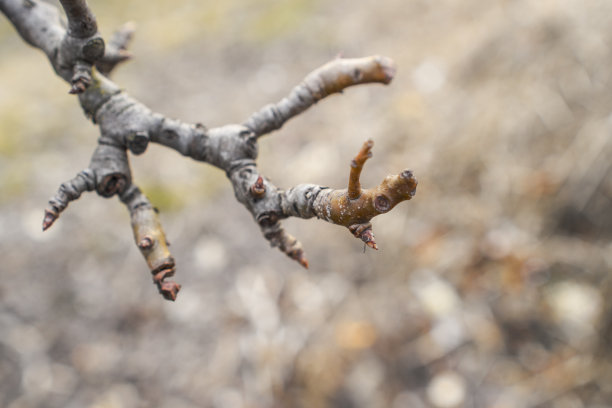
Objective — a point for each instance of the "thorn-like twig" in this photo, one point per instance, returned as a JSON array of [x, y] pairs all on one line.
[[354, 186], [116, 49], [364, 232], [49, 219], [67, 192], [285, 242]]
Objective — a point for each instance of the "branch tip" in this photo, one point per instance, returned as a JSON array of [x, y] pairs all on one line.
[[299, 257], [49, 219], [364, 233], [169, 290], [354, 186], [387, 66]]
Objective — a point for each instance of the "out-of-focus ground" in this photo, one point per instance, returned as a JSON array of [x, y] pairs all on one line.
[[492, 287]]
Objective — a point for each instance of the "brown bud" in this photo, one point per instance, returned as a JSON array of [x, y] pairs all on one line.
[[258, 189], [169, 290], [145, 243], [49, 219]]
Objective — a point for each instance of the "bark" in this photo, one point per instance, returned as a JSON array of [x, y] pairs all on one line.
[[80, 56]]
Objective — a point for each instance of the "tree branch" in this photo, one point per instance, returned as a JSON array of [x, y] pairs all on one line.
[[332, 77], [126, 124], [151, 240], [81, 22]]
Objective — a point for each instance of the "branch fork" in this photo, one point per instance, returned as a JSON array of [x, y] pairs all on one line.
[[82, 58]]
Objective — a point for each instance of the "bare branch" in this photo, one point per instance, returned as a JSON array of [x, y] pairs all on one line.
[[126, 124], [151, 241], [81, 22], [116, 49], [38, 23], [68, 191], [332, 77], [337, 207]]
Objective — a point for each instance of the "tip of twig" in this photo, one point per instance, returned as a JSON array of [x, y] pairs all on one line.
[[48, 220], [368, 145], [364, 233], [388, 67], [128, 26], [169, 290], [299, 257], [123, 55], [372, 245]]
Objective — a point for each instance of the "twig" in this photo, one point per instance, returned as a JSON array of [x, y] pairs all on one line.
[[126, 124]]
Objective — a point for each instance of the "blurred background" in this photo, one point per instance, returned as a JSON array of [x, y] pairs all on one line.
[[491, 288]]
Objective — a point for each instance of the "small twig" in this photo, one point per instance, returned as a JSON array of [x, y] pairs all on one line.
[[354, 187], [331, 78], [68, 191], [151, 240], [81, 21], [126, 124]]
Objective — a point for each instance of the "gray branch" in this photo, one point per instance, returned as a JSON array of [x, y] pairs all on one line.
[[126, 124]]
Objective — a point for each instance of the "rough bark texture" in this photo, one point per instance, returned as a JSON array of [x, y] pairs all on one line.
[[80, 56]]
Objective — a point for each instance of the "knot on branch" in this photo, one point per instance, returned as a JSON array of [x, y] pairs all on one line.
[[258, 189], [93, 49], [137, 142], [112, 170], [81, 79], [229, 146], [76, 58]]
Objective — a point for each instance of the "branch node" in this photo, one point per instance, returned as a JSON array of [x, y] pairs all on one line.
[[364, 232], [81, 79], [258, 189], [159, 277], [93, 49], [145, 243], [138, 142], [382, 203], [267, 219]]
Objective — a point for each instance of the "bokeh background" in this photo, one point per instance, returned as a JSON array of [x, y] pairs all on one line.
[[492, 288]]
